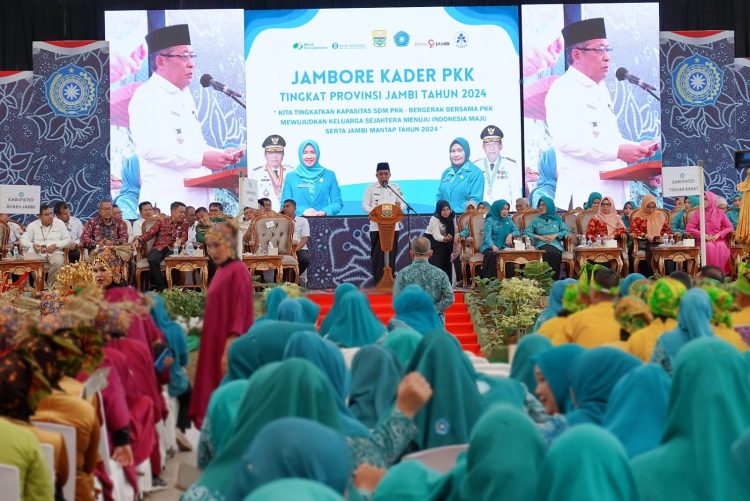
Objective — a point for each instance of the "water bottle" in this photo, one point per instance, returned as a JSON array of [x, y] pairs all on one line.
[[15, 252], [587, 243], [599, 240], [671, 240], [176, 249], [189, 249], [665, 239]]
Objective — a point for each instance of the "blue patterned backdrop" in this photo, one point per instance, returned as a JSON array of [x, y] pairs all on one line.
[[741, 81], [702, 125], [67, 155]]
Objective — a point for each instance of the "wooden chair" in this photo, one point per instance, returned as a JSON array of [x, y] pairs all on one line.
[[638, 253], [141, 263], [462, 223], [279, 230], [474, 258], [4, 235], [517, 218], [583, 219]]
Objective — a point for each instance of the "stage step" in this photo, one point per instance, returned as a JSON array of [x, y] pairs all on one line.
[[457, 318]]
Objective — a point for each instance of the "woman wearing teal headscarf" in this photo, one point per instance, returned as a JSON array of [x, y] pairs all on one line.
[[220, 417], [595, 198], [310, 309], [177, 342], [637, 409], [290, 310], [314, 188], [594, 375], [294, 388], [333, 314], [678, 219], [587, 462], [522, 368], [293, 448], [628, 281], [273, 299], [627, 210], [499, 230], [693, 322], [708, 412], [547, 232], [554, 304], [456, 404], [264, 343], [403, 343], [547, 182], [414, 309], [356, 325], [299, 489], [734, 212], [376, 373], [462, 181], [388, 440]]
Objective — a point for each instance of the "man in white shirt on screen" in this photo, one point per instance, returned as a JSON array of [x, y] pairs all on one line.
[[502, 175], [301, 234], [583, 123], [45, 239], [379, 193], [270, 176], [164, 124]]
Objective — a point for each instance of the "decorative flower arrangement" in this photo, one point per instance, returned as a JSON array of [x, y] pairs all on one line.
[[292, 290], [186, 307]]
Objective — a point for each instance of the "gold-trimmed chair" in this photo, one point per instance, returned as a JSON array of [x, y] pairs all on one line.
[[279, 230], [141, 262]]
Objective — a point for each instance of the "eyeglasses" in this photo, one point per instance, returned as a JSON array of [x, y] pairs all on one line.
[[599, 50], [183, 57]]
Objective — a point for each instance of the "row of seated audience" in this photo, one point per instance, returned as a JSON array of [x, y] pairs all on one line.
[[626, 390]]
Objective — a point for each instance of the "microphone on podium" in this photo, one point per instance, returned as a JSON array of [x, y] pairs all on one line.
[[208, 81], [623, 74]]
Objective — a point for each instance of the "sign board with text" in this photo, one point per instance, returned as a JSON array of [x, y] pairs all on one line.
[[19, 199], [249, 192], [681, 181]]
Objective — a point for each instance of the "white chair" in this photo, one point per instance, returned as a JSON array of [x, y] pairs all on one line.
[[121, 489], [440, 459], [10, 482], [69, 436], [49, 458]]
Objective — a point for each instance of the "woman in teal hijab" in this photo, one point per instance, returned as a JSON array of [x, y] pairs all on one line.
[[462, 181], [290, 310], [220, 417], [456, 403], [273, 300], [264, 343], [294, 388], [293, 448], [587, 462], [707, 413], [414, 309], [177, 342], [403, 343], [627, 210], [693, 322], [522, 368], [594, 375], [734, 212], [595, 198], [499, 229], [677, 224], [628, 281], [547, 232], [310, 309], [555, 301], [314, 188], [299, 489], [356, 325], [637, 409], [555, 365], [332, 316], [376, 374]]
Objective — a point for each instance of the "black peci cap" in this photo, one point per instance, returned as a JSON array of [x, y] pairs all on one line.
[[581, 31], [169, 36]]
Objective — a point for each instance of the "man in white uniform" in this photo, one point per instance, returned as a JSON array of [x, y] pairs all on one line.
[[45, 239], [379, 193], [301, 235], [270, 176], [582, 122], [164, 125], [502, 175], [75, 228]]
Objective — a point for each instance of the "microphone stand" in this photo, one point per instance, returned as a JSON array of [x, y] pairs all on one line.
[[651, 92], [409, 209], [237, 100]]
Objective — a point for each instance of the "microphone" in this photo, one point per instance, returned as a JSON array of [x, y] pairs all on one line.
[[208, 81], [623, 74]]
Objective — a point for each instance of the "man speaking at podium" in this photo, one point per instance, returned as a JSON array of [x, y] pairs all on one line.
[[379, 193], [165, 128], [582, 122]]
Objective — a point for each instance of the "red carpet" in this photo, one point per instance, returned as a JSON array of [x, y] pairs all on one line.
[[457, 320]]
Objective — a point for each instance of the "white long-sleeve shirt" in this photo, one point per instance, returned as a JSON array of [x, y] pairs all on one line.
[[75, 228], [378, 195], [54, 234]]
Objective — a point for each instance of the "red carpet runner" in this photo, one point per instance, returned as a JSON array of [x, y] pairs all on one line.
[[457, 320]]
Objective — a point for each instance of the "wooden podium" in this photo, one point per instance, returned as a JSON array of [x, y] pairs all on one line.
[[643, 171], [386, 216]]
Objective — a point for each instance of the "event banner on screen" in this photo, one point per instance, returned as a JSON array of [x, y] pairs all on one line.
[[394, 85]]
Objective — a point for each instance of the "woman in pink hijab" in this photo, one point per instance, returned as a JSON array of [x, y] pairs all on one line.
[[718, 228]]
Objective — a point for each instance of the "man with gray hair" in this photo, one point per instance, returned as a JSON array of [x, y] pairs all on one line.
[[522, 204], [104, 229], [432, 279]]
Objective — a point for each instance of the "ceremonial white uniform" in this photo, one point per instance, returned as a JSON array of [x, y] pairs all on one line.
[[378, 195], [169, 143], [270, 183], [502, 179], [586, 138], [75, 228]]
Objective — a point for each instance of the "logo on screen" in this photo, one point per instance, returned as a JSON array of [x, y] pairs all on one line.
[[460, 40], [71, 91], [401, 39], [379, 38], [432, 44], [697, 81]]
